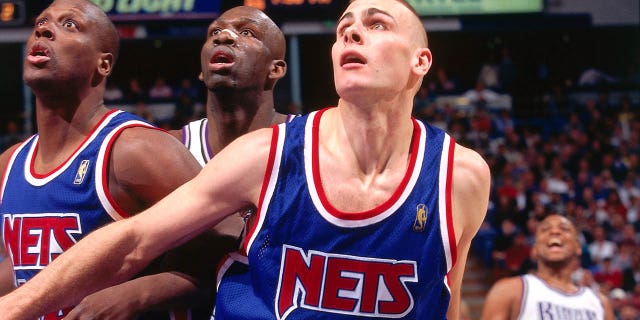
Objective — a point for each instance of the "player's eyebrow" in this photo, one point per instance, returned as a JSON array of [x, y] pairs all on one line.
[[368, 12]]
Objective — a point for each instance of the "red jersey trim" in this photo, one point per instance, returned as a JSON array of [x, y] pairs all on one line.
[[273, 150], [315, 164], [104, 174], [84, 142], [450, 228]]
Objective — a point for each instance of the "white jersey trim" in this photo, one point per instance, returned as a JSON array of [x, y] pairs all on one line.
[[11, 162], [442, 201], [273, 179], [52, 175], [101, 180]]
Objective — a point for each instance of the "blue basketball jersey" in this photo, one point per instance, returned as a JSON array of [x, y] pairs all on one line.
[[43, 215], [308, 260]]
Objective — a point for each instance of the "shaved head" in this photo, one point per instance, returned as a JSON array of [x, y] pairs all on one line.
[[108, 40], [274, 38], [419, 32]]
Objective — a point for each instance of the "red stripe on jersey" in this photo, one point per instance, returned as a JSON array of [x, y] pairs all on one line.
[[73, 154], [315, 164], [105, 167], [265, 183], [450, 229]]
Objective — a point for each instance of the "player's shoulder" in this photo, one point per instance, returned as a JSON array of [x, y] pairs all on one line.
[[257, 139], [509, 285], [141, 144], [471, 184], [469, 159], [507, 291], [5, 156], [470, 167]]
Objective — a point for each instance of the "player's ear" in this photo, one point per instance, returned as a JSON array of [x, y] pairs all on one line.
[[421, 61], [278, 69], [105, 64], [200, 76]]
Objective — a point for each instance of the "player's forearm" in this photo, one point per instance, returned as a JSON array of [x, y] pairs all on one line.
[[6, 277], [161, 291], [76, 273]]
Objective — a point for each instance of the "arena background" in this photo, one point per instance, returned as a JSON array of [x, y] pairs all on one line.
[[554, 58]]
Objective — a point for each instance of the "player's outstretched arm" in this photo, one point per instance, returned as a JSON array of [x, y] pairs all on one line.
[[470, 198], [113, 254], [6, 276]]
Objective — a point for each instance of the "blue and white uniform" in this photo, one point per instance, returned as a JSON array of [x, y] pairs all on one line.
[[43, 215], [308, 260]]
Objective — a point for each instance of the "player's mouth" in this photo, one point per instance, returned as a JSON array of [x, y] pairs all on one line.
[[221, 60], [350, 59], [555, 244], [38, 55]]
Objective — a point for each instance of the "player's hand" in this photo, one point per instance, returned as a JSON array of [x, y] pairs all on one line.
[[105, 304]]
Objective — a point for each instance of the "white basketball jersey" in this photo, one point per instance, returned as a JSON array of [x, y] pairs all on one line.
[[542, 302]]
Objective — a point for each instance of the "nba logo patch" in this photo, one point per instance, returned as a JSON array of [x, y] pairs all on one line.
[[421, 218], [82, 172]]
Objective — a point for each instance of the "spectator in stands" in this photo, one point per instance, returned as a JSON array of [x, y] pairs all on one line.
[[185, 110], [187, 88], [160, 89], [618, 299], [502, 242], [480, 96], [631, 273], [518, 255], [634, 299], [143, 112], [112, 92], [443, 85], [12, 135], [502, 123], [508, 71], [421, 102], [628, 312], [584, 277], [607, 274], [601, 248], [489, 73], [135, 92], [626, 117]]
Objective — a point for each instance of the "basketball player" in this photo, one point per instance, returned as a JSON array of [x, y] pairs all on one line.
[[361, 210], [549, 293], [242, 59], [239, 99], [88, 165]]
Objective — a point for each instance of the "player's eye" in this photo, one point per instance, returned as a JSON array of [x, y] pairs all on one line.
[[247, 33], [69, 24]]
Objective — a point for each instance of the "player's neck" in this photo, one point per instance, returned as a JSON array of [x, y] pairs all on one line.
[[558, 278], [377, 136], [230, 119], [62, 128]]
